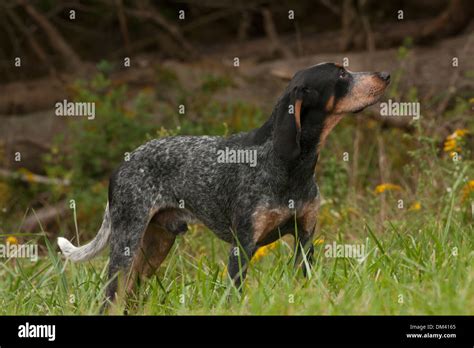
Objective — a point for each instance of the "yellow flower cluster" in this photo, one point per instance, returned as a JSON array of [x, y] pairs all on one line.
[[415, 206], [261, 252], [12, 240], [318, 241], [387, 187], [451, 144]]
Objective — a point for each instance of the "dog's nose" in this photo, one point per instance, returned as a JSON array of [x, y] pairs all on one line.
[[385, 76]]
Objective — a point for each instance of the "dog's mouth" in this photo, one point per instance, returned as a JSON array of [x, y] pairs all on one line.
[[366, 90], [374, 97]]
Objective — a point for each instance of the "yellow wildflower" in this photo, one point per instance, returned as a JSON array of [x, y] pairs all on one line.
[[263, 251], [387, 187], [318, 241], [12, 240], [415, 206], [450, 145], [467, 190], [460, 132], [453, 153], [451, 142], [27, 175]]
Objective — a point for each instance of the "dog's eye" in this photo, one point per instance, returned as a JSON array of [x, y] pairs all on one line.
[[342, 74]]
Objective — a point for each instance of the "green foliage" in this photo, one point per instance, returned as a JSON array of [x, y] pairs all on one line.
[[216, 117], [105, 67], [204, 114], [166, 77], [98, 146], [213, 83], [334, 175]]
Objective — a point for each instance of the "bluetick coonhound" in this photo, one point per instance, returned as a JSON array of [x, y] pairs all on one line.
[[172, 181]]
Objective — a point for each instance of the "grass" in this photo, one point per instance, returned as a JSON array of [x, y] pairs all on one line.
[[422, 264]]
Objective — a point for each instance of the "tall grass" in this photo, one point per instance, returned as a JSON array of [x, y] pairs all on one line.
[[422, 264]]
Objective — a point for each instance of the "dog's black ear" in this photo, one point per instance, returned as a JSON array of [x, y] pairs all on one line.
[[287, 131]]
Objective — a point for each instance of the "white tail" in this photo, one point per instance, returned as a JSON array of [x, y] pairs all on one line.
[[91, 249]]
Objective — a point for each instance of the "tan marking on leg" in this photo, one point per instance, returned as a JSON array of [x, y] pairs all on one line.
[[155, 246], [308, 215], [164, 217], [266, 220]]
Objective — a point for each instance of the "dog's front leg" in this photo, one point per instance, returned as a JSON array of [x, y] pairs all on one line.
[[239, 258], [304, 233], [304, 250]]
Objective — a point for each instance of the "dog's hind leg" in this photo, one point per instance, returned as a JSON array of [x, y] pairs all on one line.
[[128, 227], [155, 246]]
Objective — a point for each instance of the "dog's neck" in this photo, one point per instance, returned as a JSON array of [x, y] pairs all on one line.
[[314, 129]]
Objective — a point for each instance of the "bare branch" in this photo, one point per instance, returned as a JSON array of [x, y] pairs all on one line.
[[44, 216], [35, 46], [123, 24], [33, 178], [272, 34], [71, 59], [163, 23]]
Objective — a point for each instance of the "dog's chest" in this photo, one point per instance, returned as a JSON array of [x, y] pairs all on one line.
[[266, 219]]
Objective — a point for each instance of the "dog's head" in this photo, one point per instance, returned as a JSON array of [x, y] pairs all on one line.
[[317, 97]]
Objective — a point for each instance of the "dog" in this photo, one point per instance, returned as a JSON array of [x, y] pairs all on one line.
[[171, 182]]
